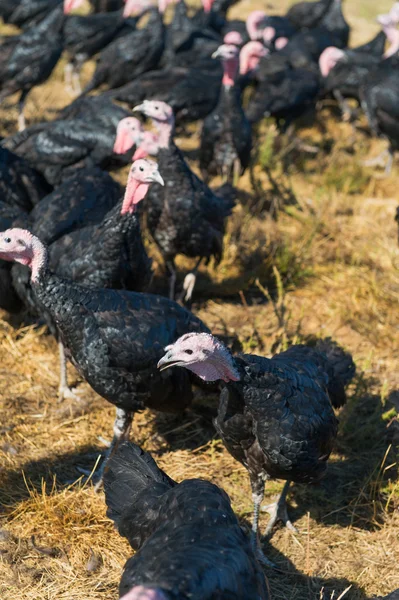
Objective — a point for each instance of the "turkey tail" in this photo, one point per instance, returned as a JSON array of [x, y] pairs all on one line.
[[129, 472], [341, 370]]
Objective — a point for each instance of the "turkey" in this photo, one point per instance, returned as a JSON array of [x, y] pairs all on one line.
[[275, 415], [106, 254], [226, 138], [111, 253], [131, 55], [57, 148], [31, 58], [85, 36], [378, 93], [289, 80], [113, 337], [344, 70], [184, 217], [188, 541]]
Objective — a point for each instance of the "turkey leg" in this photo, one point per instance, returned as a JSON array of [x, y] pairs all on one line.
[[122, 426], [64, 391], [278, 511], [21, 115], [189, 283], [258, 492], [172, 280]]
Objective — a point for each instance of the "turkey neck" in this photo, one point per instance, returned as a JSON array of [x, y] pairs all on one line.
[[230, 68], [393, 37]]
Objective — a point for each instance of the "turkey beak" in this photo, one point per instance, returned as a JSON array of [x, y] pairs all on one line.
[[217, 53], [166, 362], [157, 177], [139, 108]]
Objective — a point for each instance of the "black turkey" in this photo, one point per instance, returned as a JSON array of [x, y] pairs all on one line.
[[275, 415]]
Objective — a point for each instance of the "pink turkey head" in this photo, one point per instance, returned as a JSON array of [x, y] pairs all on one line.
[[156, 109], [233, 38], [329, 58], [140, 592], [229, 55], [254, 24], [128, 133], [70, 5], [135, 7], [21, 246], [149, 144], [142, 173], [204, 355], [250, 56]]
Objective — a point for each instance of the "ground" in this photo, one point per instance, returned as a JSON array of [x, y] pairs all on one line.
[[312, 253]]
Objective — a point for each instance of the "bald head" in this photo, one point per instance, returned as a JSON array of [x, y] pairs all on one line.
[[140, 592]]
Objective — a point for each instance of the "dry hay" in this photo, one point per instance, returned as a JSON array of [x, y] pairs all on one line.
[[330, 261]]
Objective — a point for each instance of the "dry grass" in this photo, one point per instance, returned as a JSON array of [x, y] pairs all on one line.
[[331, 264]]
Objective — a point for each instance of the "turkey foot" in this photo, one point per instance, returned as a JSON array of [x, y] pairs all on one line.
[[189, 283], [278, 512], [64, 391], [260, 555]]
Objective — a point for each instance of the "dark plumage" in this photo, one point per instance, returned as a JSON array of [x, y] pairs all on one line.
[[29, 13], [289, 80], [109, 254], [285, 94], [58, 147], [275, 415], [32, 59], [114, 338], [192, 92], [226, 137], [188, 540], [184, 217], [131, 55], [305, 15], [7, 7], [379, 92], [347, 68], [106, 5], [20, 185], [83, 199]]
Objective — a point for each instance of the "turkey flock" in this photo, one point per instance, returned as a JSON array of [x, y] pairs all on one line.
[[73, 256]]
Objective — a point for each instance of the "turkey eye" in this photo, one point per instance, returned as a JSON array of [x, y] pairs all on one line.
[[7, 240], [188, 351], [141, 169], [157, 108]]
